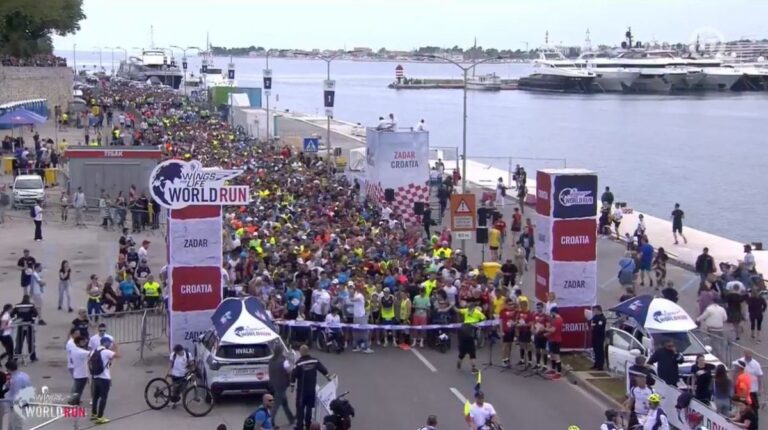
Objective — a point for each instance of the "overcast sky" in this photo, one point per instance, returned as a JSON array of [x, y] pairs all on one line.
[[405, 24]]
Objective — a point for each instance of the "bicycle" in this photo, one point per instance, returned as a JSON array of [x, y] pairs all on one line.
[[197, 399]]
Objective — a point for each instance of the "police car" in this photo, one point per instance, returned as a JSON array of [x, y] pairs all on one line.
[[234, 354]]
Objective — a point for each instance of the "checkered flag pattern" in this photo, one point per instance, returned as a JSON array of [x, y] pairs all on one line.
[[405, 197]]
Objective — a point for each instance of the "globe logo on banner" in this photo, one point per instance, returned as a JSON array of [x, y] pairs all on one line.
[[176, 184], [574, 196]]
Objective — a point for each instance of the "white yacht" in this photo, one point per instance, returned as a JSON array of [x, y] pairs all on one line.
[[717, 76], [608, 77], [488, 82], [754, 75], [554, 73], [658, 72]]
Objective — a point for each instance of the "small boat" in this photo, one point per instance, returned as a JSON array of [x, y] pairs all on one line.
[[488, 82]]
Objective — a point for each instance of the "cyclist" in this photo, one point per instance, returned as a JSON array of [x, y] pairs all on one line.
[[481, 415], [638, 403], [179, 364], [471, 315], [657, 418]]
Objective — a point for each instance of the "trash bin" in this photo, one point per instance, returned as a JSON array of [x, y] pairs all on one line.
[[50, 177], [7, 165], [491, 268]]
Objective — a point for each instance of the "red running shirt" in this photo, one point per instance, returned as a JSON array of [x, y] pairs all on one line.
[[557, 335]]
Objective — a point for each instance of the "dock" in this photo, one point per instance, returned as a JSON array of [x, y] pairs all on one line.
[[442, 84]]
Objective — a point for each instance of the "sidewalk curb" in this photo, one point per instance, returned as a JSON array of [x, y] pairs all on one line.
[[576, 379]]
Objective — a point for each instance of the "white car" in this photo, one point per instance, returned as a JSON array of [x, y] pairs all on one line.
[[28, 190], [626, 339], [236, 367]]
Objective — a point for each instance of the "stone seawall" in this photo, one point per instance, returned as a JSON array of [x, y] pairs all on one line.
[[24, 83]]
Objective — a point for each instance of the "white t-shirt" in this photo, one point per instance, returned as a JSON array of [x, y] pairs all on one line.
[[321, 302], [143, 253], [358, 305], [95, 341], [35, 285], [618, 214], [106, 358], [481, 414], [333, 321], [79, 358], [38, 213], [640, 396], [180, 364], [5, 321], [451, 291], [754, 371], [69, 347], [650, 422]]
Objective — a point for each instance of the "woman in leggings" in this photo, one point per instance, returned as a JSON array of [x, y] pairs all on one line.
[[756, 306]]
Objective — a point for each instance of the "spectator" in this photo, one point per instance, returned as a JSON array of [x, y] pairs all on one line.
[[702, 379], [17, 381], [102, 381], [627, 270], [722, 390], [640, 369], [65, 273], [6, 332], [279, 380], [755, 372], [607, 197], [705, 265], [646, 259], [660, 267], [743, 383], [669, 293], [668, 361], [746, 417], [713, 319], [756, 307]]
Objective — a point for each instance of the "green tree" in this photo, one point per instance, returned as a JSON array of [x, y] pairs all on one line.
[[26, 26]]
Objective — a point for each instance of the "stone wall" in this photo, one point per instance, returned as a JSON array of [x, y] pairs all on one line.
[[24, 83]]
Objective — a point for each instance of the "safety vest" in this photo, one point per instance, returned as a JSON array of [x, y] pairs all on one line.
[[152, 289], [429, 285], [388, 313], [472, 318]]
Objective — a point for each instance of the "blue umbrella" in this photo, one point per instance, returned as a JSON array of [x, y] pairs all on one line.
[[21, 117], [656, 314]]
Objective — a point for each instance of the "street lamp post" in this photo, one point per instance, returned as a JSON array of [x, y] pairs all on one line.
[[74, 57], [184, 61], [267, 88], [100, 65], [466, 70]]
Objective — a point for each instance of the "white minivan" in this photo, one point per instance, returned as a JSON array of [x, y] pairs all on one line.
[[626, 339], [28, 190], [233, 356]]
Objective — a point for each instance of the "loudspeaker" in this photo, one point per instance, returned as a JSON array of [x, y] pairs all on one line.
[[418, 208], [482, 216], [389, 195], [481, 235]]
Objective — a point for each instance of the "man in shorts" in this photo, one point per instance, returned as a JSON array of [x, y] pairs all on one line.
[[524, 324], [508, 320], [540, 321], [554, 332], [677, 223], [471, 316]]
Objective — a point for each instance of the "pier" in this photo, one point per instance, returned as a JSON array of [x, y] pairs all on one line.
[[442, 84]]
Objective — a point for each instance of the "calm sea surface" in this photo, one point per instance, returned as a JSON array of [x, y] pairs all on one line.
[[707, 152]]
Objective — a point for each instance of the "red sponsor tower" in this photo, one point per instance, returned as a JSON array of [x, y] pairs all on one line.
[[566, 246]]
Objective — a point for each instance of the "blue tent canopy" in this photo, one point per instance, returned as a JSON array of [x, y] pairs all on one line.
[[19, 117]]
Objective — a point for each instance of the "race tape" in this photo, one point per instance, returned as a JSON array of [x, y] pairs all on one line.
[[294, 323]]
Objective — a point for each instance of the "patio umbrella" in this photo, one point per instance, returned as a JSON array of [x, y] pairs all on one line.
[[656, 314], [19, 117]]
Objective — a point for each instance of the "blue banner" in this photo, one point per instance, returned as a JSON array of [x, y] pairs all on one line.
[[575, 196]]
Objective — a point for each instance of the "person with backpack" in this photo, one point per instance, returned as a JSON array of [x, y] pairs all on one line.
[[611, 421], [261, 418], [99, 364], [656, 418], [179, 364]]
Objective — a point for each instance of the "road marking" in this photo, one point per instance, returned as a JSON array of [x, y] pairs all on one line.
[[424, 360], [458, 395], [690, 283]]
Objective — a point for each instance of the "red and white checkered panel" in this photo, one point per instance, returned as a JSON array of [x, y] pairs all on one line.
[[405, 197]]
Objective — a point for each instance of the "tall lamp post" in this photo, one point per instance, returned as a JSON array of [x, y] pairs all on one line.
[[465, 69], [329, 87], [100, 65], [112, 57], [74, 57], [268, 87], [184, 61]]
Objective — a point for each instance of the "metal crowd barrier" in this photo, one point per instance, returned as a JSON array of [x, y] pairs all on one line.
[[145, 327]]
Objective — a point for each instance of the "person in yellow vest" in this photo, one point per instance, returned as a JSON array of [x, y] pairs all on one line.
[[430, 284], [404, 317], [151, 292], [388, 315]]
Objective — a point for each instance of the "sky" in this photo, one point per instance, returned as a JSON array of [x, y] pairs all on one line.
[[407, 24]]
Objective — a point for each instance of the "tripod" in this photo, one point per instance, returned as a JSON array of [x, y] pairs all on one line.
[[492, 338]]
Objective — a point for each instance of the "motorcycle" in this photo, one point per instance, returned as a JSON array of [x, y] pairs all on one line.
[[341, 413]]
